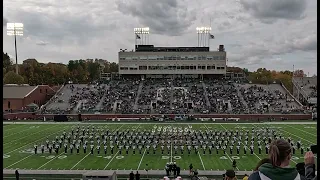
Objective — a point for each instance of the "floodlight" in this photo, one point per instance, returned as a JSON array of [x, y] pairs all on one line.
[[15, 29], [141, 34]]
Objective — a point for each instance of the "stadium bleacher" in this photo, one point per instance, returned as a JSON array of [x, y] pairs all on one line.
[[166, 96]]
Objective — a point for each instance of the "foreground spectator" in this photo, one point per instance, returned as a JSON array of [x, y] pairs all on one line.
[[309, 166], [131, 176], [245, 177], [230, 175], [137, 176], [17, 175], [262, 161], [280, 156]]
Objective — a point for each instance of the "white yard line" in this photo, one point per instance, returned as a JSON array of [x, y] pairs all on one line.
[[29, 135], [9, 129], [50, 161], [204, 168], [242, 144], [19, 161], [290, 159], [110, 161], [17, 133], [35, 141], [80, 161], [141, 158], [253, 151], [302, 131], [295, 136], [113, 132], [226, 152]]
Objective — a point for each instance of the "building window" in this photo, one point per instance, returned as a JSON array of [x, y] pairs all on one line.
[[46, 90], [221, 67], [40, 90], [9, 105]]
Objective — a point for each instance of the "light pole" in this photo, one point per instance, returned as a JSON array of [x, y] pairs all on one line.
[[203, 36], [15, 29], [142, 34]]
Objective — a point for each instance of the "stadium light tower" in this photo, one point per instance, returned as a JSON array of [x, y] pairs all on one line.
[[204, 36], [15, 29], [141, 35]]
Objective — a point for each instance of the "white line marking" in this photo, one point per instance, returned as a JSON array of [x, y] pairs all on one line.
[[201, 161], [243, 145], [17, 132], [37, 140], [110, 161], [80, 161], [226, 152], [19, 161], [89, 153], [296, 135], [141, 158], [9, 129], [28, 135], [302, 131], [290, 159], [49, 161]]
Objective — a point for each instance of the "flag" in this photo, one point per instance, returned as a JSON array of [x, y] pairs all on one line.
[[138, 37], [211, 36]]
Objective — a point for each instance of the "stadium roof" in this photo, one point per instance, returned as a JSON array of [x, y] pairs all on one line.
[[17, 92]]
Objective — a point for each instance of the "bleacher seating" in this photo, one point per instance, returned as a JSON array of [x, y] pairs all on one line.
[[166, 96]]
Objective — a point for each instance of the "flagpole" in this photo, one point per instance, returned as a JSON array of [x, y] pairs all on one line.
[[209, 35]]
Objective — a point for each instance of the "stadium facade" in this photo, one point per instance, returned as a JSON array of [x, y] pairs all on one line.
[[149, 61]]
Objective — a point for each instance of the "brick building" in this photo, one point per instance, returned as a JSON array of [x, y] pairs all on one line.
[[17, 97]]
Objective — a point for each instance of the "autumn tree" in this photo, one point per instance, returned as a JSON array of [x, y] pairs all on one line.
[[12, 78]]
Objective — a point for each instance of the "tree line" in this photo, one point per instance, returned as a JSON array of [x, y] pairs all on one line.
[[84, 71], [33, 72]]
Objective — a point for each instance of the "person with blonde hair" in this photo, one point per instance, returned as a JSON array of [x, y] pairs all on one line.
[[278, 168]]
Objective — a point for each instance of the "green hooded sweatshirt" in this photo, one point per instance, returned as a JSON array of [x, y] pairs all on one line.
[[276, 173]]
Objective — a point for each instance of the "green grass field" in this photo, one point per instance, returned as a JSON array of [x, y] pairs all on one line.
[[19, 139]]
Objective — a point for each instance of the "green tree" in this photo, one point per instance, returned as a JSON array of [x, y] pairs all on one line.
[[13, 78], [7, 63], [114, 67], [93, 70]]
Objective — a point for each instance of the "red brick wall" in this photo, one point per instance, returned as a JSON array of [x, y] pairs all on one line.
[[15, 104], [38, 96]]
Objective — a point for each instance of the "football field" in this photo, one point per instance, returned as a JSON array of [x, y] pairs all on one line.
[[19, 141]]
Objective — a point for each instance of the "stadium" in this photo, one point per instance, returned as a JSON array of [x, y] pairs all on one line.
[[166, 105]]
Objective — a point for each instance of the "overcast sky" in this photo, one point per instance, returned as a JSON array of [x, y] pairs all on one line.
[[275, 34]]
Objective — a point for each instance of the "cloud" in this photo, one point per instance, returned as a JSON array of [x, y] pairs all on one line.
[[166, 17], [42, 43], [255, 33], [268, 11]]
